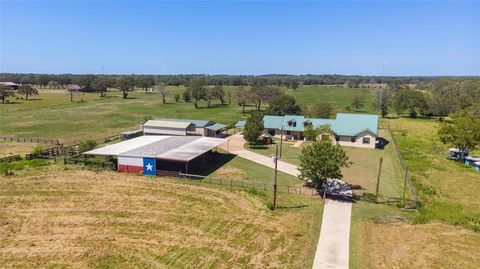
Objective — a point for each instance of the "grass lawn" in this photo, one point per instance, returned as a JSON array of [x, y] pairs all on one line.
[[52, 115], [448, 189], [364, 169], [62, 216]]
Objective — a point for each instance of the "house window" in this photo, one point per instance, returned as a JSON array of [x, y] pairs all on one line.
[[366, 140], [352, 139]]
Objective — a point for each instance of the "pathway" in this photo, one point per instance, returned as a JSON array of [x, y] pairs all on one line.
[[235, 146], [333, 244]]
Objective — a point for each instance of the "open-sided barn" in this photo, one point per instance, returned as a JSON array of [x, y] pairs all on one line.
[[148, 154]]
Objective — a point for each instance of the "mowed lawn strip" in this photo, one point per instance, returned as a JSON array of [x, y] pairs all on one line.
[[63, 216]]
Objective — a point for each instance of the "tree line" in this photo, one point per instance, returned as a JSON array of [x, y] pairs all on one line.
[[142, 81], [438, 98]]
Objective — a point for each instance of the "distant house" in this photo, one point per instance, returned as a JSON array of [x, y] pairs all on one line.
[[359, 130], [12, 85], [168, 126]]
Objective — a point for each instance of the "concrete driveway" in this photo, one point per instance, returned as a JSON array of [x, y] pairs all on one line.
[[235, 145], [333, 244]]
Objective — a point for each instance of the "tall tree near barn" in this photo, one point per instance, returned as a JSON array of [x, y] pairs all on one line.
[[197, 90]]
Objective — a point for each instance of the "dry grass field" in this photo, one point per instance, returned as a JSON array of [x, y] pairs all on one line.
[[403, 245], [14, 148], [60, 216]]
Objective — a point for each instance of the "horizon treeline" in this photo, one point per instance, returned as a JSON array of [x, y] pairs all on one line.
[[291, 81]]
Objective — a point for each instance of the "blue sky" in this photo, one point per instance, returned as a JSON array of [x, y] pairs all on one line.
[[411, 38]]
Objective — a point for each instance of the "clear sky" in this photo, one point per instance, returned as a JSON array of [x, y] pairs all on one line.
[[410, 38]]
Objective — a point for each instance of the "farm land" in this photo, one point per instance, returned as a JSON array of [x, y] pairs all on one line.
[[121, 210]]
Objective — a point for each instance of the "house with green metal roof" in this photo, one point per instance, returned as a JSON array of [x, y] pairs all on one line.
[[360, 130]]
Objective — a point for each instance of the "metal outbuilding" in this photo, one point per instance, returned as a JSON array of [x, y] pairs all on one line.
[[152, 153], [159, 127]]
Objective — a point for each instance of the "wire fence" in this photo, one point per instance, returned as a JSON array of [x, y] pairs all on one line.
[[404, 166], [251, 184]]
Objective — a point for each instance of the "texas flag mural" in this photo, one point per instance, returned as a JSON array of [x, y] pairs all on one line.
[[149, 166]]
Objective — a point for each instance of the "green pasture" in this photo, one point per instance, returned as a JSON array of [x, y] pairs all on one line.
[[52, 115]]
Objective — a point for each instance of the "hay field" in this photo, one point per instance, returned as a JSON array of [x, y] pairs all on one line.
[[403, 245], [8, 148], [60, 216]]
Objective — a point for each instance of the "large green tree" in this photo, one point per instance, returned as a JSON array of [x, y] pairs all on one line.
[[126, 84], [101, 84], [464, 130], [27, 90], [243, 96], [197, 90], [283, 105], [322, 160], [253, 128], [6, 91], [382, 101]]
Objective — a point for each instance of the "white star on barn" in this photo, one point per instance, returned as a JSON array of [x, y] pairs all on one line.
[[149, 167]]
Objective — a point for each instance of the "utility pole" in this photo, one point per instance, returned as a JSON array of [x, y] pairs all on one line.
[[378, 179], [275, 160], [281, 142]]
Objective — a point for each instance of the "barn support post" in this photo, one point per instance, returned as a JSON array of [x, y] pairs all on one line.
[[186, 167]]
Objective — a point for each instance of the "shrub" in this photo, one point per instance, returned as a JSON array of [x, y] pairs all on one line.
[[38, 150], [86, 145]]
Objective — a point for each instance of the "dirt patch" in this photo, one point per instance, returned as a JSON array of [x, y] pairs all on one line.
[[230, 172]]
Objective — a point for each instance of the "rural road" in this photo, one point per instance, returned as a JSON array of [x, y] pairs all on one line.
[[333, 244]]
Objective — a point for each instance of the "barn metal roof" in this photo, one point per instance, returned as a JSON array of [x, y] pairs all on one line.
[[167, 124], [198, 123], [216, 127], [179, 148], [116, 149]]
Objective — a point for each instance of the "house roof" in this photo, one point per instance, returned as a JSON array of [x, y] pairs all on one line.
[[167, 124], [216, 127], [272, 122], [344, 124], [240, 123], [353, 124], [198, 123]]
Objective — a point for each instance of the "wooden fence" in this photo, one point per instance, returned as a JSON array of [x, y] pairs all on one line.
[[11, 158], [30, 140]]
